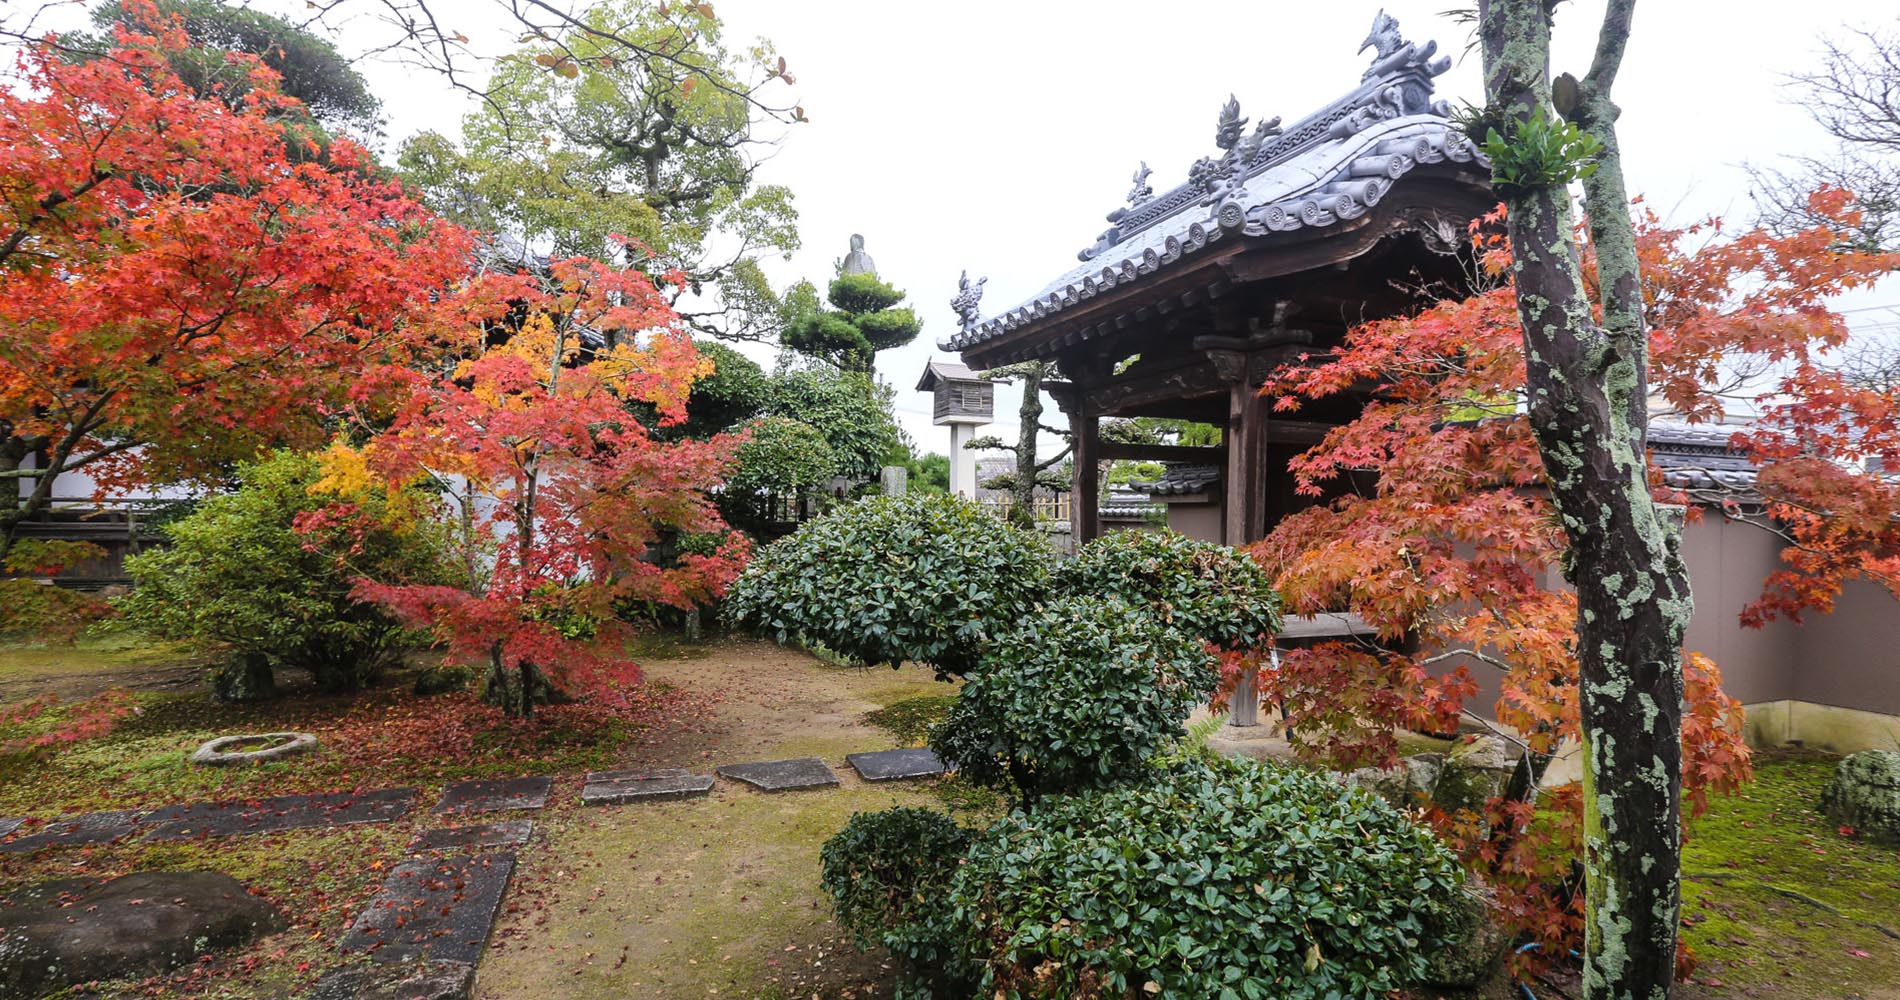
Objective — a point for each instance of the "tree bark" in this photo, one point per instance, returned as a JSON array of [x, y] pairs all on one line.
[[1587, 401], [1022, 508]]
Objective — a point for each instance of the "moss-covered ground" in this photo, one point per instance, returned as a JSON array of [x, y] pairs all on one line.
[[1780, 902]]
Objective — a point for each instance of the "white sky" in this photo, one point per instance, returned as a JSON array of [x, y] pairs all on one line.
[[994, 135]]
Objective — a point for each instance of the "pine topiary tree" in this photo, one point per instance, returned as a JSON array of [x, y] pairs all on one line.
[[864, 319]]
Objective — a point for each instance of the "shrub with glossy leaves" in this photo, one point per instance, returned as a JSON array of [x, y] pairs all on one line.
[[888, 875], [240, 577], [1077, 695], [1210, 592], [1238, 880], [928, 578]]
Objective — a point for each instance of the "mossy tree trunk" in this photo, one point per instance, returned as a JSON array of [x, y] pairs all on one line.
[[1587, 396]]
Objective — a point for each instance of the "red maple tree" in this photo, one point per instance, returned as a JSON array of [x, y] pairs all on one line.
[[1437, 529], [177, 290], [572, 512]]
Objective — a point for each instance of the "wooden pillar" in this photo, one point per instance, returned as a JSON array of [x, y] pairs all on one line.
[[1085, 499], [1245, 479]]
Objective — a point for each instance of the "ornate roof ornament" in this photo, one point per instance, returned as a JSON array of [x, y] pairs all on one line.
[[966, 302], [857, 261], [1141, 192], [1227, 130], [1393, 54]]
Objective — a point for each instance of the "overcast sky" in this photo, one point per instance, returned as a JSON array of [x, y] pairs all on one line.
[[994, 135]]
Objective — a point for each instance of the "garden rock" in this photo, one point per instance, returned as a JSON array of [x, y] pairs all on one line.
[[217, 753], [1478, 769], [409, 981], [1865, 794], [78, 930], [1414, 778], [1475, 941]]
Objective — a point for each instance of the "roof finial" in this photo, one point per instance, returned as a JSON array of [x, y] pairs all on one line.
[[1141, 192], [966, 302], [1227, 131]]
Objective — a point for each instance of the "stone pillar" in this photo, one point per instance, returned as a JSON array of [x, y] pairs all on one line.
[[962, 461], [893, 480]]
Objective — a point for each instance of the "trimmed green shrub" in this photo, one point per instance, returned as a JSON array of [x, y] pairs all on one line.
[[239, 578], [928, 578], [1243, 880], [1077, 695], [888, 875], [1208, 591]]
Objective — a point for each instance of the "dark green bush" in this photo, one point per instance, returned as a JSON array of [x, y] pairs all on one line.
[[888, 875], [1242, 880], [928, 578], [239, 578], [1077, 695], [1211, 592]]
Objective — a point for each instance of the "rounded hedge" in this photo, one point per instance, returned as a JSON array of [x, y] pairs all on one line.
[[1077, 695], [1239, 880], [888, 875], [922, 577], [1212, 592]]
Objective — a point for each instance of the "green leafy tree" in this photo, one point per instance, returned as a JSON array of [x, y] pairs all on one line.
[[781, 460], [629, 135], [263, 577], [736, 391], [851, 411], [864, 318], [309, 66]]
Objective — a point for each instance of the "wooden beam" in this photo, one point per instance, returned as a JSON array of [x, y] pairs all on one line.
[[1113, 451]]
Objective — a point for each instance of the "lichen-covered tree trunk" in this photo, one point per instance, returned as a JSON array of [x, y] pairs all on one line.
[[1022, 492], [1587, 402]]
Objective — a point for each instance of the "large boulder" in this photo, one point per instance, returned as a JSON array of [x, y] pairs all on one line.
[[1865, 794], [1477, 769], [1476, 941], [1406, 784], [70, 931]]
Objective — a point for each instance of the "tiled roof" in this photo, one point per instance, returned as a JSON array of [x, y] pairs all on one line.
[[949, 371], [1183, 480], [1334, 164], [1698, 458], [1123, 502]]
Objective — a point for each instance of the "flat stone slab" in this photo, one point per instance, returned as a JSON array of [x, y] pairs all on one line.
[[782, 775], [77, 930], [495, 794], [75, 831], [410, 981], [462, 838], [284, 812], [8, 825], [892, 765], [433, 910], [603, 788]]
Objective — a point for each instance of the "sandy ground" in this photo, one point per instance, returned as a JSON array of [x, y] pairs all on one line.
[[715, 896]]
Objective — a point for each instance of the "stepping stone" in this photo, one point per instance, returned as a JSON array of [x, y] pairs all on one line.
[[611, 787], [285, 812], [495, 794], [77, 831], [433, 910], [8, 825], [412, 981], [453, 838], [891, 765], [782, 775]]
